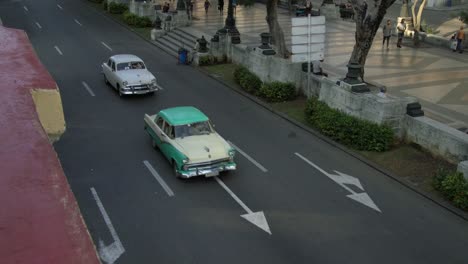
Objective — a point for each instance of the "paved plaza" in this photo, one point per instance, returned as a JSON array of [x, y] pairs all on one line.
[[436, 76]]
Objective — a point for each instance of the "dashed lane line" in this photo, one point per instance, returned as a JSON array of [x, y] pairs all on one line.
[[58, 50], [158, 178], [249, 157]]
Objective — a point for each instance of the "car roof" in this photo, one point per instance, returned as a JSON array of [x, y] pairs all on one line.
[[182, 115], [125, 58]]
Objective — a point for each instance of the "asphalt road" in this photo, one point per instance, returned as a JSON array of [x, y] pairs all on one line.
[[310, 216]]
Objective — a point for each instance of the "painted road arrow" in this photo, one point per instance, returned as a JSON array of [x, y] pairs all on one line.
[[343, 180], [109, 254], [256, 218]]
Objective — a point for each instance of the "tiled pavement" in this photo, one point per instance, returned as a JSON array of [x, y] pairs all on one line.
[[438, 77]]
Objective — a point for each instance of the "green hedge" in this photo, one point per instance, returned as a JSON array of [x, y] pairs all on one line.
[[348, 130], [278, 91], [247, 80], [96, 1], [137, 21], [117, 8], [104, 4], [452, 185]]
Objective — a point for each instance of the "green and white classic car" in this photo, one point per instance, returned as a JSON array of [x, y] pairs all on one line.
[[187, 139]]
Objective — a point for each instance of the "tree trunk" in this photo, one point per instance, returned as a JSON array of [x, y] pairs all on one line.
[[417, 21], [366, 28], [277, 35]]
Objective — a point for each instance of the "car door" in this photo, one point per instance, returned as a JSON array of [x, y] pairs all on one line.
[[111, 77], [166, 140], [106, 69]]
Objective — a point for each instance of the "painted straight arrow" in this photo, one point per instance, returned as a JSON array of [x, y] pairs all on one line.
[[256, 218], [343, 179]]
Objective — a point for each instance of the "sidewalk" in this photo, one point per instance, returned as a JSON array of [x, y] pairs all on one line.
[[40, 221], [436, 76]]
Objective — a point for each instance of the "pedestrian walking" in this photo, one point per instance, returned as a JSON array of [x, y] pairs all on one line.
[[387, 32], [308, 7], [234, 6], [220, 6], [460, 39], [207, 5], [401, 32], [191, 3]]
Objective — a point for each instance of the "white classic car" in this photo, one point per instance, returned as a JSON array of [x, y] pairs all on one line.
[[187, 139], [129, 75]]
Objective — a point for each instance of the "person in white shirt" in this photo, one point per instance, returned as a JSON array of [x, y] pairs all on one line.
[[317, 68], [401, 31]]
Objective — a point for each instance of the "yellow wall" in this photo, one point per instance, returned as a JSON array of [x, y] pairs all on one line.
[[50, 111]]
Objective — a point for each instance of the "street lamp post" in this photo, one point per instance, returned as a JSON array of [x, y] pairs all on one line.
[[230, 25]]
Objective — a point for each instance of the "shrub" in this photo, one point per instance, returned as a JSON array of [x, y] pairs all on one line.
[[247, 80], [137, 21], [143, 22], [96, 1], [239, 73], [278, 91], [207, 60], [453, 186], [117, 8], [348, 130], [104, 4], [130, 18]]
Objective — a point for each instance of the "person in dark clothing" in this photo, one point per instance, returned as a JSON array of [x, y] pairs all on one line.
[[207, 5], [220, 6]]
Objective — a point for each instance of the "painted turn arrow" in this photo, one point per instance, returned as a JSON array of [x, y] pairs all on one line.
[[109, 254], [256, 218], [343, 180]]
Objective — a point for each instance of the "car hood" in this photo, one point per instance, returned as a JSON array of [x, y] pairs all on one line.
[[135, 76], [203, 148]]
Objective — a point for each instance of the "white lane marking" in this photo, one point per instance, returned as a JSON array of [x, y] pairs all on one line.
[[107, 46], [58, 50], [256, 218], [249, 158], [59, 6], [25, 8], [343, 179], [158, 178], [78, 22], [38, 25], [111, 253], [88, 88]]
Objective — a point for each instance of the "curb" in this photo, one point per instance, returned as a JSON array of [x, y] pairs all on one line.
[[433, 198]]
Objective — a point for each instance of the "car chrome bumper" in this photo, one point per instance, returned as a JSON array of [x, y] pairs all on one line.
[[208, 172], [132, 91]]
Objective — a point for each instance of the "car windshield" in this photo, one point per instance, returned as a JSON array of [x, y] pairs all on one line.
[[132, 65], [194, 129]]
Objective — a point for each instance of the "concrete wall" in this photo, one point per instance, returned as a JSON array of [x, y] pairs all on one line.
[[267, 68], [439, 139], [463, 168]]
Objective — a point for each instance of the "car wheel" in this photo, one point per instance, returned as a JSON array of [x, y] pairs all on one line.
[[174, 167], [118, 90], [153, 143], [105, 80]]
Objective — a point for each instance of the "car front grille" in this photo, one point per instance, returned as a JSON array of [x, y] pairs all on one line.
[[208, 164], [139, 87]]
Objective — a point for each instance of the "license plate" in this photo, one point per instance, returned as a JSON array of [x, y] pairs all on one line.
[[212, 174]]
